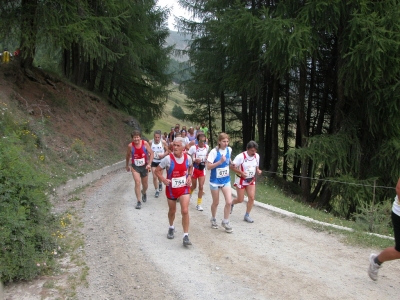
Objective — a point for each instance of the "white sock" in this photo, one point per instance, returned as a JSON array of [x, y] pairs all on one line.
[[172, 227], [185, 234], [225, 221]]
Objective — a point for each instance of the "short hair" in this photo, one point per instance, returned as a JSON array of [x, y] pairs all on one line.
[[251, 145], [180, 139], [199, 135], [136, 133], [157, 132]]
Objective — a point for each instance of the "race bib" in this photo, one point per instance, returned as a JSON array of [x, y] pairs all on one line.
[[139, 162], [251, 172], [222, 172], [157, 155], [202, 157], [178, 182]]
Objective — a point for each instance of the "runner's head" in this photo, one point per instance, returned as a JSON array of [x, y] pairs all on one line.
[[183, 133], [157, 136], [223, 140], [178, 145], [201, 138], [251, 148], [136, 136]]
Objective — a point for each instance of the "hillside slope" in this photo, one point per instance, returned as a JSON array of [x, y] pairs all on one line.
[[68, 123]]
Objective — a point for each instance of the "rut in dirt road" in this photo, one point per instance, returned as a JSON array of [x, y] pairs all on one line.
[[275, 257]]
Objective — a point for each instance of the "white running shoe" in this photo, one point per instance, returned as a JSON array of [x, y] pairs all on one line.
[[248, 219], [199, 208], [227, 227], [373, 267], [214, 224]]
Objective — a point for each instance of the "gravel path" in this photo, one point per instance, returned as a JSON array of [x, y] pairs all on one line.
[[274, 258], [130, 257]]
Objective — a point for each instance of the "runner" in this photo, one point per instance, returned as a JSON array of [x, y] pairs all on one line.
[[218, 162], [246, 166], [199, 156], [142, 157], [179, 178], [186, 141], [160, 150], [171, 135], [391, 253]]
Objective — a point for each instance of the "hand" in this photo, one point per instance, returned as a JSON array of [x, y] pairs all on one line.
[[223, 158], [128, 168], [259, 172], [166, 182], [189, 180], [148, 167]]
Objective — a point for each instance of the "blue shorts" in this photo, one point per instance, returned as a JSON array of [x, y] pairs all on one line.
[[220, 186]]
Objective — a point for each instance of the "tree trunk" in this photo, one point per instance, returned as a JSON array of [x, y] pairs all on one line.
[[268, 139], [305, 182], [261, 107], [28, 32], [222, 99], [274, 128], [286, 127], [245, 121]]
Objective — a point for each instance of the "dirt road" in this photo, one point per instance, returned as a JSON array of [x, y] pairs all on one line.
[[275, 257]]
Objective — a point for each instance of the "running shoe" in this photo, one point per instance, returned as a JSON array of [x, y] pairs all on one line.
[[144, 197], [373, 267], [186, 241], [227, 227], [199, 208], [138, 205], [248, 219], [170, 234], [157, 194], [231, 208], [214, 224], [160, 187]]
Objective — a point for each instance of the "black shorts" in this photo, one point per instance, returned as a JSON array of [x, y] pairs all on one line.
[[154, 164], [396, 229], [141, 170]]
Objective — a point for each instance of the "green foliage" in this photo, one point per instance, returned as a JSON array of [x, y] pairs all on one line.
[[375, 217], [26, 242], [178, 112]]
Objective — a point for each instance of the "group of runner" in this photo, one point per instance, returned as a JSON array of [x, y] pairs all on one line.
[[186, 162]]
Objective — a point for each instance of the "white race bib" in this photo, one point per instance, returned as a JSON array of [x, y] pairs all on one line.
[[223, 172], [139, 162], [250, 172], [201, 157], [157, 154], [178, 182]]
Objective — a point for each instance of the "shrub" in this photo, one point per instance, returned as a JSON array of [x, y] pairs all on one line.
[[178, 112], [26, 242]]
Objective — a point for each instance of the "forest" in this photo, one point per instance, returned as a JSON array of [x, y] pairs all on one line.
[[315, 83]]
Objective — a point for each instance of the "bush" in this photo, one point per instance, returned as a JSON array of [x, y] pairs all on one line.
[[26, 242], [178, 112]]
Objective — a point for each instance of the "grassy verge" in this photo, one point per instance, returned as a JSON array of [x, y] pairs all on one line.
[[269, 192]]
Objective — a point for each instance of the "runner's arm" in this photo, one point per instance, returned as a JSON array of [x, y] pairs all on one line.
[[151, 154], [128, 156]]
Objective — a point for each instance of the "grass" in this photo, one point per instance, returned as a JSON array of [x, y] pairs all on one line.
[[167, 121], [269, 192]]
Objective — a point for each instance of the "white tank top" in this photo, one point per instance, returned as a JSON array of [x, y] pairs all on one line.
[[157, 149]]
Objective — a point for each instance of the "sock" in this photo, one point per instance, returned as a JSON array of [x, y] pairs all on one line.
[[172, 226], [377, 261], [225, 221], [199, 200], [185, 234], [246, 214]]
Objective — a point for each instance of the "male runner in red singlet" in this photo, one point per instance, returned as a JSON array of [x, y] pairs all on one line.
[[179, 178], [142, 157]]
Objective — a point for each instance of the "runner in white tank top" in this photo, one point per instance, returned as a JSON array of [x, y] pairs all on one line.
[[246, 167], [160, 150]]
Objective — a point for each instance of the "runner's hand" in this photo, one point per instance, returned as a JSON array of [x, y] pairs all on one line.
[[128, 168]]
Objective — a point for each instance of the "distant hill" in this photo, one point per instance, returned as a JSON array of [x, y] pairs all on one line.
[[180, 41]]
